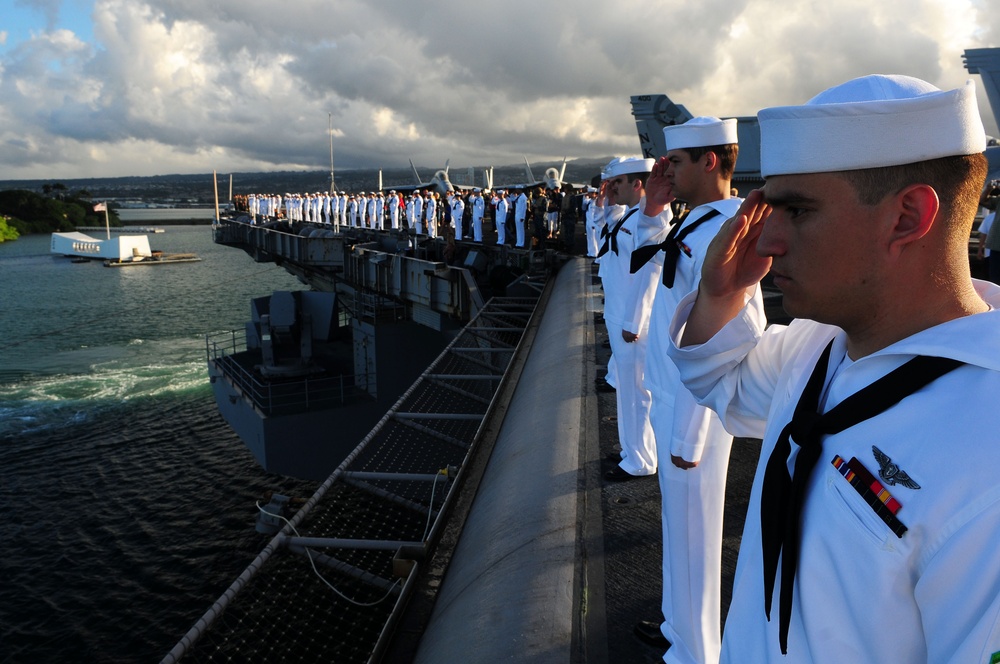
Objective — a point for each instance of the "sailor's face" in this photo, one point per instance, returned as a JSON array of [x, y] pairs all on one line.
[[681, 173], [621, 191], [824, 246]]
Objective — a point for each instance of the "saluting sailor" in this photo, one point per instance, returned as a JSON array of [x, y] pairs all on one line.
[[627, 301], [691, 443], [864, 220]]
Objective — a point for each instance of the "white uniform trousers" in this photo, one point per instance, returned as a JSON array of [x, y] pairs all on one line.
[[691, 512], [477, 229], [519, 229], [635, 433], [593, 240]]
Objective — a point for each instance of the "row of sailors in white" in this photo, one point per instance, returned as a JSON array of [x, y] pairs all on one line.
[[264, 205], [424, 213], [338, 208], [371, 210], [502, 203]]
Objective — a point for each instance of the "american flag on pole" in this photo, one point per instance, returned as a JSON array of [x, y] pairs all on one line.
[[101, 207]]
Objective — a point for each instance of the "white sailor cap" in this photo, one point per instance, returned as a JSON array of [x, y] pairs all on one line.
[[870, 122], [476, 189], [700, 132], [626, 165]]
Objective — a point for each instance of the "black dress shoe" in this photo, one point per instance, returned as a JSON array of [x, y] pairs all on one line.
[[649, 633], [619, 474]]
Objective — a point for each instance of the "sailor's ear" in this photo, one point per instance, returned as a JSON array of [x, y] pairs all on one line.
[[711, 161], [913, 211]]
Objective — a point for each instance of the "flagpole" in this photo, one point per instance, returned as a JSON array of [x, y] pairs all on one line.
[[107, 222], [215, 186]]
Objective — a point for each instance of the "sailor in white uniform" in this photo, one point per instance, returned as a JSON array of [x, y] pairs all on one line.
[[430, 214], [627, 301], [589, 229], [409, 211], [394, 210], [875, 512], [691, 443], [478, 211], [457, 210], [417, 220], [520, 212], [501, 204], [352, 211], [373, 205], [363, 210]]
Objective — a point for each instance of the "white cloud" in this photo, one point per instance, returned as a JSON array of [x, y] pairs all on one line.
[[190, 86]]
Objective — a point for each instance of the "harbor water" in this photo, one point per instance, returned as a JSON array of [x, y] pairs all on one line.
[[127, 503]]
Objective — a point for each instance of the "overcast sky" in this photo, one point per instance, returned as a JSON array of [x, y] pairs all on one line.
[[94, 88]]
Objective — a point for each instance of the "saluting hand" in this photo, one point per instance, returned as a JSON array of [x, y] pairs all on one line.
[[731, 262], [659, 188], [731, 266], [602, 194]]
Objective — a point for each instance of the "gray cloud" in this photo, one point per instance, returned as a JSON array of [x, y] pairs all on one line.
[[190, 86]]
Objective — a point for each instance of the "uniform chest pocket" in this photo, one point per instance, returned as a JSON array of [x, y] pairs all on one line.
[[850, 508]]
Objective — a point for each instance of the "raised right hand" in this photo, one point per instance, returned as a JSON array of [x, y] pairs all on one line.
[[731, 262], [731, 266]]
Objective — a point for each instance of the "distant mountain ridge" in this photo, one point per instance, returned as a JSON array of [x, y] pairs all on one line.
[[196, 189]]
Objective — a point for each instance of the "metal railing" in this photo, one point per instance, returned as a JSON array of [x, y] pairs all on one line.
[[281, 396]]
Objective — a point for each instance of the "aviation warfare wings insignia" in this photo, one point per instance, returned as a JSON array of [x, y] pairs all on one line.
[[890, 472]]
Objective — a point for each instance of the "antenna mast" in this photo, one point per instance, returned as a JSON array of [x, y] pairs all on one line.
[[333, 182]]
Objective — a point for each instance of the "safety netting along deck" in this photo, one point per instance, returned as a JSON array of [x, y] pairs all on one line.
[[331, 584]]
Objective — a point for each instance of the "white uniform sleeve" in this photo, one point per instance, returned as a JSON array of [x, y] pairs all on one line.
[[652, 230], [724, 374], [958, 591], [640, 294]]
